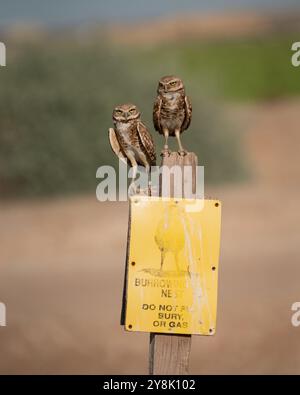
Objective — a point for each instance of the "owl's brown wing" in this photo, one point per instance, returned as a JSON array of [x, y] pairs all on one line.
[[147, 141], [115, 145], [156, 113], [188, 113]]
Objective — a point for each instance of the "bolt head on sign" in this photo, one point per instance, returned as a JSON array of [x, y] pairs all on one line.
[[172, 267]]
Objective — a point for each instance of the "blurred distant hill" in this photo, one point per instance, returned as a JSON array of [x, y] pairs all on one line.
[[208, 26], [182, 26]]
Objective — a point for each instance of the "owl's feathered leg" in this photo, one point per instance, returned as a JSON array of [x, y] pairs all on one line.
[[148, 171], [144, 160], [181, 151], [166, 150], [132, 187]]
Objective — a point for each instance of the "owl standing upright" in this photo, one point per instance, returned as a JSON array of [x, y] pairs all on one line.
[[130, 139], [172, 110]]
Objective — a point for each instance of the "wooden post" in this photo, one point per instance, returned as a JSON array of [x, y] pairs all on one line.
[[169, 354]]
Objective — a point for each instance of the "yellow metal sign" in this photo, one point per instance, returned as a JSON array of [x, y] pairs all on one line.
[[172, 268]]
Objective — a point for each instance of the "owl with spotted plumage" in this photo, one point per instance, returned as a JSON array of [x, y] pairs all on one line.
[[172, 112], [130, 139]]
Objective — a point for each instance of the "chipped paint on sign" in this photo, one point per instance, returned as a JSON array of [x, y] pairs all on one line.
[[172, 265]]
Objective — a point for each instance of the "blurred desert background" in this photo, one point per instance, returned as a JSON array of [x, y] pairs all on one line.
[[62, 252]]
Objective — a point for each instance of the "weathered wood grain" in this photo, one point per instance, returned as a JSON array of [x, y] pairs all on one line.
[[169, 354]]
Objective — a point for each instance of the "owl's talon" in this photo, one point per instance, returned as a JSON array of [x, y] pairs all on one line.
[[143, 191], [132, 190], [182, 152], [165, 152]]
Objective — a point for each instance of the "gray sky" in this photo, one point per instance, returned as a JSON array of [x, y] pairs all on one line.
[[76, 11]]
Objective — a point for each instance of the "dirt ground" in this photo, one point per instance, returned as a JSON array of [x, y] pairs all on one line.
[[62, 265]]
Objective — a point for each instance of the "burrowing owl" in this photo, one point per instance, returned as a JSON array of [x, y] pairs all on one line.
[[130, 139], [172, 110]]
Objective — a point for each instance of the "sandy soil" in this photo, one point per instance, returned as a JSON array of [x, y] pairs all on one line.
[[62, 264]]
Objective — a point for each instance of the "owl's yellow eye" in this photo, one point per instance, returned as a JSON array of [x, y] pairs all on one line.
[[119, 112], [173, 83], [132, 111]]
